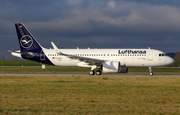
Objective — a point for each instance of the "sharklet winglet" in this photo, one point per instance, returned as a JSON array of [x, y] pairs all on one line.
[[56, 49]]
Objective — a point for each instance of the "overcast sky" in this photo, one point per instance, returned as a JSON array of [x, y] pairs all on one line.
[[93, 23]]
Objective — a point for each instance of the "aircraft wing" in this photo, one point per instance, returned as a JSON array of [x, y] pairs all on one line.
[[89, 61]]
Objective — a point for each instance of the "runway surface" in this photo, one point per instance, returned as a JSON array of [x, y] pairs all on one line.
[[87, 75]]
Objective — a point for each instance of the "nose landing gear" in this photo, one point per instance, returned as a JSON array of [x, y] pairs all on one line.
[[150, 71]]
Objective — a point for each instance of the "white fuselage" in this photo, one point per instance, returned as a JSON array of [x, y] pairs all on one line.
[[127, 57]]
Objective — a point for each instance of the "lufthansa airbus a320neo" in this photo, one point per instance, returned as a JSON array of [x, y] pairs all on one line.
[[103, 60]]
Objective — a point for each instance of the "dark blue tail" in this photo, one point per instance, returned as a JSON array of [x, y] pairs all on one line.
[[26, 41], [30, 48]]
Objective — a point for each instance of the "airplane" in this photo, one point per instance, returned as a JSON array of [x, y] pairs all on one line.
[[101, 60]]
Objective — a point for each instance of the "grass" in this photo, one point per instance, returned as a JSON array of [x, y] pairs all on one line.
[[58, 70], [26, 67], [155, 70], [48, 69], [175, 64], [19, 63], [90, 95]]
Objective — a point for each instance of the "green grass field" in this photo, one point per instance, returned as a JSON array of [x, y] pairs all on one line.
[[90, 95], [87, 95], [34, 67], [19, 63], [58, 70]]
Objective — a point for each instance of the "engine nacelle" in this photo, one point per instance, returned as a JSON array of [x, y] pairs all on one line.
[[124, 70], [114, 66]]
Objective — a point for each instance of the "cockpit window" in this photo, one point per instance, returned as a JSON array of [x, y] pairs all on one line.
[[162, 54]]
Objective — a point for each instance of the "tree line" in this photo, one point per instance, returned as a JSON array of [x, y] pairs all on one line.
[[9, 58]]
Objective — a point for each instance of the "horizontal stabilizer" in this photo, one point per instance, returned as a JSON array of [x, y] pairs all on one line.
[[29, 54]]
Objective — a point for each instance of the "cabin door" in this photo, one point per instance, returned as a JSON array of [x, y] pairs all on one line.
[[42, 56], [150, 55]]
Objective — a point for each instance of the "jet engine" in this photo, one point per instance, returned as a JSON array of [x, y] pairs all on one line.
[[114, 66]]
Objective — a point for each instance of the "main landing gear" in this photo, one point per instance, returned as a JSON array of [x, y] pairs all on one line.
[[150, 71], [92, 72]]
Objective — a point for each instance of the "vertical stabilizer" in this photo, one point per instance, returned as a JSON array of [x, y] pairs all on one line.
[[26, 41]]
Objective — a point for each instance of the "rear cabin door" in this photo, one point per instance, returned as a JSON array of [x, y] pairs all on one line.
[[42, 56]]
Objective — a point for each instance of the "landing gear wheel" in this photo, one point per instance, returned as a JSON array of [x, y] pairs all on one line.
[[98, 72], [151, 73], [91, 72]]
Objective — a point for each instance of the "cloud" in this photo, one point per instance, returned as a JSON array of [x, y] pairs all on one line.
[[112, 4], [74, 2], [129, 18], [104, 23]]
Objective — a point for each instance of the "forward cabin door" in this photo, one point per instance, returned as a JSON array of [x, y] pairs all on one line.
[[150, 55]]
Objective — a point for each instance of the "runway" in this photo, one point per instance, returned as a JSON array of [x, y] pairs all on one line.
[[87, 75]]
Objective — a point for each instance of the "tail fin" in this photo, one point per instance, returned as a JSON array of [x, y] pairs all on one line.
[[26, 41]]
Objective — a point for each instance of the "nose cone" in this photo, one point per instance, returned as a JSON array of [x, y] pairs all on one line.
[[170, 60]]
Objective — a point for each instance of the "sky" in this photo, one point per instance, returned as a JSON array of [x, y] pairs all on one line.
[[93, 23]]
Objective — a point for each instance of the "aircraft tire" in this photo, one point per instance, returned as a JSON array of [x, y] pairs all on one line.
[[91, 72], [98, 72], [151, 73]]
